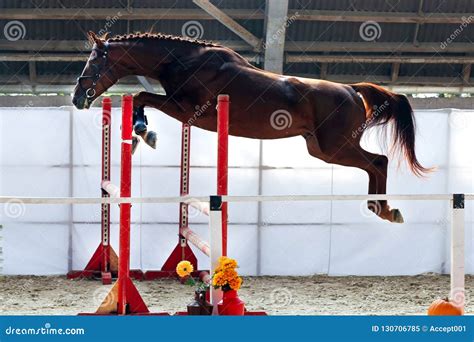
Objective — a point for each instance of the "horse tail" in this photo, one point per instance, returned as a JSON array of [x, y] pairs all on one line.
[[383, 106]]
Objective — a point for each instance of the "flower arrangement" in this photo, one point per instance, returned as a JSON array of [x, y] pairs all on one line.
[[184, 270], [225, 276]]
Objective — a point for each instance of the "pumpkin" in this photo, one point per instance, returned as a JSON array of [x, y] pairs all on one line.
[[444, 307]]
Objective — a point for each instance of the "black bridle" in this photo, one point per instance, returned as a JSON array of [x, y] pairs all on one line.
[[90, 92]]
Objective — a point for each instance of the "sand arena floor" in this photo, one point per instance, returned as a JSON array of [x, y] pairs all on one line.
[[315, 295]]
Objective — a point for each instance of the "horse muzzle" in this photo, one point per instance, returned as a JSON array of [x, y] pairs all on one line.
[[81, 102]]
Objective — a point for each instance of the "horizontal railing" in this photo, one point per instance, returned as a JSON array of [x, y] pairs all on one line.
[[263, 198]]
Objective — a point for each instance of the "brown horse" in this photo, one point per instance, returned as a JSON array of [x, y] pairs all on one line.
[[330, 116]]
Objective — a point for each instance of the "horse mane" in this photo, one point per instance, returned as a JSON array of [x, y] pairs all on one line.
[[158, 36]]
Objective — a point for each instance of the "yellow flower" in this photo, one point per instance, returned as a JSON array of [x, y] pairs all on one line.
[[184, 268]]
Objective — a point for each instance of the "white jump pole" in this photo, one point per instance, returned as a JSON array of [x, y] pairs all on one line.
[[457, 250], [112, 189]]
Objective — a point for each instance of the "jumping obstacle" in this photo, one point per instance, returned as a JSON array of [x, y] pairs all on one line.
[[182, 251], [104, 262], [124, 298]]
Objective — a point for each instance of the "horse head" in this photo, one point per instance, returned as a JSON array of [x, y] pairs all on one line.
[[98, 74]]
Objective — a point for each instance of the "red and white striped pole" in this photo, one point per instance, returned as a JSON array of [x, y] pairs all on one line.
[[125, 208], [222, 159]]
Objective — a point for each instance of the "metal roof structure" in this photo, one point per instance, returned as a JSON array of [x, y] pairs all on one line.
[[418, 45]]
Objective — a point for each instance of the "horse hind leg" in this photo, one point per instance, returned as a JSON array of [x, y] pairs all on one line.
[[374, 164]]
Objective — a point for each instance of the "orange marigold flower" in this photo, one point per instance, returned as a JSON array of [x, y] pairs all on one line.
[[229, 263], [235, 283], [184, 268]]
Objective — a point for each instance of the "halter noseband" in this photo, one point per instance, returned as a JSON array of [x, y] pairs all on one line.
[[90, 92]]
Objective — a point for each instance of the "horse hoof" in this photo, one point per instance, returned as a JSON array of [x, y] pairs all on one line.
[[139, 128], [151, 139], [135, 142], [397, 216]]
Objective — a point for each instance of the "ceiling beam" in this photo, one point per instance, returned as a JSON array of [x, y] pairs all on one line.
[[325, 59], [417, 27], [32, 71], [381, 17], [392, 47], [122, 13], [245, 14], [466, 73], [275, 32], [45, 57], [377, 59], [394, 72], [230, 23], [45, 46]]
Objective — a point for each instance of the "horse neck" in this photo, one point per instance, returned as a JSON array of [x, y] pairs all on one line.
[[153, 55]]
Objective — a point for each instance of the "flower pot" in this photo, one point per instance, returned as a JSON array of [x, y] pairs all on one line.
[[231, 305], [200, 306]]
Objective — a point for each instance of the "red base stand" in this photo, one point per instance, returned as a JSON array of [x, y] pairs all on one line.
[[95, 268], [133, 303], [169, 267]]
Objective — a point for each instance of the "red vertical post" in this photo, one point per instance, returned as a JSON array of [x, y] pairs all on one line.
[[125, 208], [105, 210], [222, 159]]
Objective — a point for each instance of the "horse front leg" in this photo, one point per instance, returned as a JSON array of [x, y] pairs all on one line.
[[140, 123], [161, 102]]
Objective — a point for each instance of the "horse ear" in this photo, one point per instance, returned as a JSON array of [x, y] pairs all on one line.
[[106, 36], [94, 39], [91, 35]]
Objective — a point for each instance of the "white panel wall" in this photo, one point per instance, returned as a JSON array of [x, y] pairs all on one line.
[[56, 152]]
